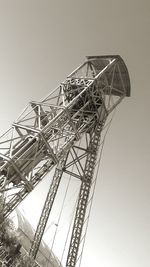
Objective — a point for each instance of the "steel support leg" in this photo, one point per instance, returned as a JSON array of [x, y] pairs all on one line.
[[47, 209], [83, 198]]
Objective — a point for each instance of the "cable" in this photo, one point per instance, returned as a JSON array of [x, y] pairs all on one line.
[[61, 211], [60, 215], [62, 207], [72, 215], [57, 215]]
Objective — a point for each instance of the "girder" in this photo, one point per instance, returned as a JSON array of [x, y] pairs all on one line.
[[47, 208], [48, 130], [86, 182]]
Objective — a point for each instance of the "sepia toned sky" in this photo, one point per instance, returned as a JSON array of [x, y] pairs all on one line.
[[41, 42]]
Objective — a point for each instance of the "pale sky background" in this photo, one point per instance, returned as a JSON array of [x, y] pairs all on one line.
[[41, 42]]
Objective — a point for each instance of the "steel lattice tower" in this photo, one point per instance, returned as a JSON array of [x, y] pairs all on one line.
[[47, 134]]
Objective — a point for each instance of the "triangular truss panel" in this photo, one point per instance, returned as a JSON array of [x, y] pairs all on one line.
[[62, 130]]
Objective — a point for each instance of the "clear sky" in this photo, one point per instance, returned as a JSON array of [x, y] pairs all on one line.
[[41, 42]]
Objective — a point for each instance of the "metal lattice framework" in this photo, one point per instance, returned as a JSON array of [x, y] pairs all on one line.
[[47, 134]]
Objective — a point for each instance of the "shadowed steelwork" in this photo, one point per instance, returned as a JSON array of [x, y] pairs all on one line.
[[47, 134]]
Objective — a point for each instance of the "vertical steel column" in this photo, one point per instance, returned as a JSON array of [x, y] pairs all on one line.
[[47, 208], [83, 197]]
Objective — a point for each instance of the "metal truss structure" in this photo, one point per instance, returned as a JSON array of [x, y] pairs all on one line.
[[47, 134]]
